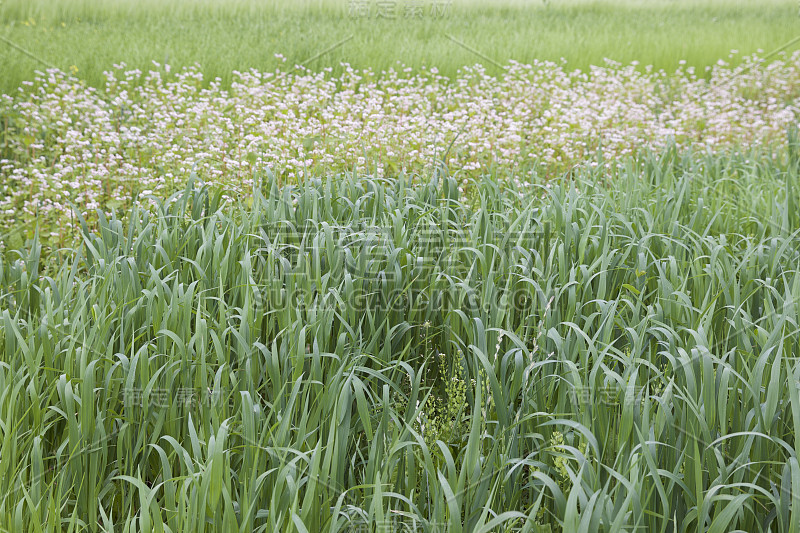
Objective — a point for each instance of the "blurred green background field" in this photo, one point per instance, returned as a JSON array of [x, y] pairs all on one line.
[[226, 35]]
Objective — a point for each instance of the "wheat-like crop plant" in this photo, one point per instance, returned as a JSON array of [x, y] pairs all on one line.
[[617, 352]]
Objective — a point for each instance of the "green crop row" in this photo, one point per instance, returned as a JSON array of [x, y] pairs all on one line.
[[618, 352]]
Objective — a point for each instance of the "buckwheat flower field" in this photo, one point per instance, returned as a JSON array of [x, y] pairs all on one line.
[[66, 144]]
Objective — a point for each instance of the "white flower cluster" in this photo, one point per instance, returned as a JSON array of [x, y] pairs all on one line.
[[69, 144]]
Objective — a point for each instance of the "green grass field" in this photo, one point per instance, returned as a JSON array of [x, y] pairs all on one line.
[[602, 334], [357, 354], [240, 34]]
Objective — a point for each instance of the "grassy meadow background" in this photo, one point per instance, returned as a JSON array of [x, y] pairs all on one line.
[[226, 35]]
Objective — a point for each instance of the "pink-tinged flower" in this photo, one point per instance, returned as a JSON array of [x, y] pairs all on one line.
[[148, 131]]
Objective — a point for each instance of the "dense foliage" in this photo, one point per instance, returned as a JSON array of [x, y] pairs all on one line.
[[66, 145], [617, 351]]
